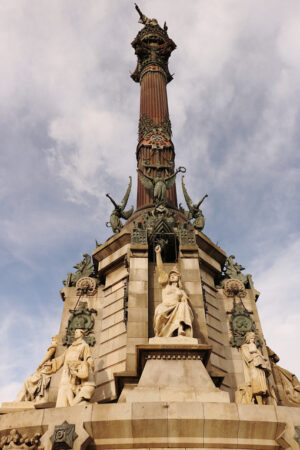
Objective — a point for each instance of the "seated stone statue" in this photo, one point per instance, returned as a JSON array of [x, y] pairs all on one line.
[[35, 386], [173, 317], [287, 384], [256, 370], [77, 382]]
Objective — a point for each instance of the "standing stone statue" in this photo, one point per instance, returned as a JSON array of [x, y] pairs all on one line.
[[35, 386], [77, 382], [256, 369], [173, 317]]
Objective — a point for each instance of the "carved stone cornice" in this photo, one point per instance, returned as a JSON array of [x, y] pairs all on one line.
[[172, 352]]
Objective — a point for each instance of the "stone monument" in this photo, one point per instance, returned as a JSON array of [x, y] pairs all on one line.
[[160, 343]]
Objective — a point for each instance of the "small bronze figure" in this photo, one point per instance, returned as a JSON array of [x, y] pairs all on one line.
[[194, 211], [118, 213]]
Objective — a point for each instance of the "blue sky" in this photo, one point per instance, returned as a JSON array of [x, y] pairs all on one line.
[[68, 122]]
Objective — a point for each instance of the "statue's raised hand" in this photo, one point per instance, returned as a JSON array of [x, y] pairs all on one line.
[[157, 249]]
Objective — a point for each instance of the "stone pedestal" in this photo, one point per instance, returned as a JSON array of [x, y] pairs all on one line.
[[175, 373]]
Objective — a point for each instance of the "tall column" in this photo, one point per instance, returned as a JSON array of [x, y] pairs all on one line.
[[155, 150]]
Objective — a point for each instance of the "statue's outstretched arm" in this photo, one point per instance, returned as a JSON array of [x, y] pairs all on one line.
[[112, 200], [202, 200], [48, 356], [162, 275]]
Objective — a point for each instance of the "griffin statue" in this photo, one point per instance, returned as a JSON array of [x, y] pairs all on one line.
[[118, 213]]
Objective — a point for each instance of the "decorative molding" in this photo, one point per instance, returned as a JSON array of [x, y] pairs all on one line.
[[125, 304], [178, 356], [187, 237], [139, 236], [86, 286], [234, 288], [153, 68], [174, 352], [81, 318], [241, 323], [64, 436], [15, 440], [155, 133]]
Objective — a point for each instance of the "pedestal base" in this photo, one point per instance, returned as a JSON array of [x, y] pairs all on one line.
[[174, 373]]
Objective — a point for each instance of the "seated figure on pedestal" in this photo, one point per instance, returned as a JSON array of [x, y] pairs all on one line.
[[77, 382], [35, 386], [172, 317]]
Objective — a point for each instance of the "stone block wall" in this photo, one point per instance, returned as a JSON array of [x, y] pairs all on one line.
[[111, 355]]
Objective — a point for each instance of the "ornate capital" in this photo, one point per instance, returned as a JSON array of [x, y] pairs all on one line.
[[153, 47]]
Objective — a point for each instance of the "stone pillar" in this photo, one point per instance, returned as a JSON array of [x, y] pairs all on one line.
[[137, 322]]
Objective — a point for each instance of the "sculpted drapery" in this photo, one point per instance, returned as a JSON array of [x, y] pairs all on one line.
[[77, 382], [256, 369], [35, 386], [172, 317]]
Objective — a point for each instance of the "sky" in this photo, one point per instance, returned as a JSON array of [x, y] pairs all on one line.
[[68, 123]]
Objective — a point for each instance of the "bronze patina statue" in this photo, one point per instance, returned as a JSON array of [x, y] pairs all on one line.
[[85, 268], [234, 270], [159, 184], [118, 213], [144, 19], [194, 211]]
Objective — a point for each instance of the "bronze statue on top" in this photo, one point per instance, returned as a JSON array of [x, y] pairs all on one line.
[[144, 19], [118, 213], [194, 211]]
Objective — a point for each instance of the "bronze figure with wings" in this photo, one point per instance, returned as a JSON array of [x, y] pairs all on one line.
[[194, 211], [159, 184], [118, 213]]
